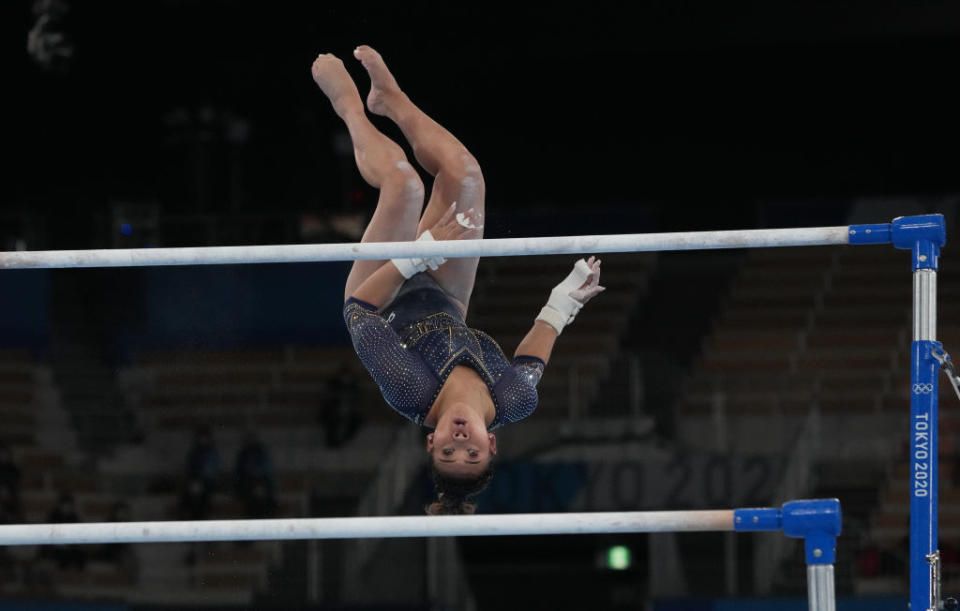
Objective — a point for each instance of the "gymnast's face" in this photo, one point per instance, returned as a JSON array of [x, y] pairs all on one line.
[[460, 446]]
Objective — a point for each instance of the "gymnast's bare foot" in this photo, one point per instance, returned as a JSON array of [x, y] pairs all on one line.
[[335, 81], [385, 94]]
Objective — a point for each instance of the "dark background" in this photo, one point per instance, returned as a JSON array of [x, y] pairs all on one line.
[[682, 106]]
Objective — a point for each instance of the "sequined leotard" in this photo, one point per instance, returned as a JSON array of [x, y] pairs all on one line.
[[413, 344]]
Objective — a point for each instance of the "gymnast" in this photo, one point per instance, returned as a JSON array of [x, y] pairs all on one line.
[[406, 316]]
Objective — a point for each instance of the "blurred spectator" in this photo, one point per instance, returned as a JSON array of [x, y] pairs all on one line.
[[195, 500], [202, 474], [260, 501], [338, 412], [203, 461], [203, 470], [65, 556], [120, 554], [254, 482]]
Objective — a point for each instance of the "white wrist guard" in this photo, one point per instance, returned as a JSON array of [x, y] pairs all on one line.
[[415, 265], [561, 308]]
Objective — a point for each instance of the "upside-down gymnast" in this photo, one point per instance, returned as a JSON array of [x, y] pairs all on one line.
[[406, 316]]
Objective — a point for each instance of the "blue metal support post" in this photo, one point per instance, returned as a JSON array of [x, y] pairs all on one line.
[[923, 236], [818, 522]]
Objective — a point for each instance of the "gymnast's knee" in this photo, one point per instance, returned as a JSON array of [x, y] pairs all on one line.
[[405, 180], [468, 175]]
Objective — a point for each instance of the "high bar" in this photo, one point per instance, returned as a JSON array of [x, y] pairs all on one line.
[[498, 247], [368, 527]]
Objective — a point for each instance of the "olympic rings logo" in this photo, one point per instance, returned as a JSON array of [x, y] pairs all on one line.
[[922, 389]]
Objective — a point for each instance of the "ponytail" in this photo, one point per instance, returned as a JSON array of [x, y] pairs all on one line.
[[455, 495]]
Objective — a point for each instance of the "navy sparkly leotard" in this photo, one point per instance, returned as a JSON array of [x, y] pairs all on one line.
[[412, 345]]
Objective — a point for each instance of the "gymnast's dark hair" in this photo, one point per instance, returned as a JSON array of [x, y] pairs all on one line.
[[455, 494]]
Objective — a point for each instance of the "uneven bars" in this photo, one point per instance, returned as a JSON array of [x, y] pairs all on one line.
[[368, 527], [304, 253]]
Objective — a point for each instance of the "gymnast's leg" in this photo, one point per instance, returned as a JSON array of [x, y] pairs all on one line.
[[457, 174], [381, 162]]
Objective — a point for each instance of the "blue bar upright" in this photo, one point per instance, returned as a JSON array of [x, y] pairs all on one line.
[[924, 236], [923, 470]]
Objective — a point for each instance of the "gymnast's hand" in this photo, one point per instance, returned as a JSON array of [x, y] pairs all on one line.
[[454, 226], [451, 226], [566, 299], [591, 286]]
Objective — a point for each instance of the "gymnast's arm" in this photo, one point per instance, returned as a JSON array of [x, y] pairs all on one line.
[[404, 379], [381, 286], [538, 342], [566, 299]]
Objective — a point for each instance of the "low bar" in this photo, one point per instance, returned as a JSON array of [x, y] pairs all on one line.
[[499, 247], [368, 527]]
